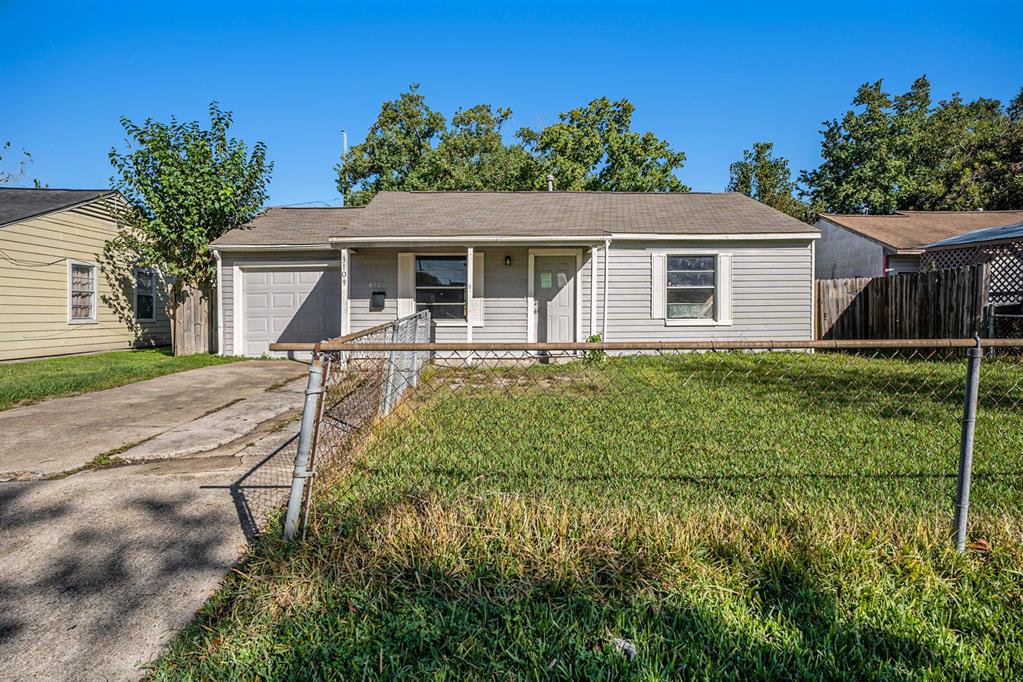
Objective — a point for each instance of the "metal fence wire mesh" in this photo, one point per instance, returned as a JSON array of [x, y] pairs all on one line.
[[873, 431]]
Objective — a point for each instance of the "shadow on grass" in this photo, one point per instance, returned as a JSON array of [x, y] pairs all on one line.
[[414, 617]]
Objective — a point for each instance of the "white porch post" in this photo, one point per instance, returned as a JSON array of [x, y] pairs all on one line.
[[607, 260], [593, 290], [346, 319], [469, 253]]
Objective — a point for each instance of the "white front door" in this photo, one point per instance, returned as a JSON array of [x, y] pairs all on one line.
[[554, 288], [289, 305]]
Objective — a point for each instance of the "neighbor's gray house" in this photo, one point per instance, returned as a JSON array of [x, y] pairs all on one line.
[[519, 267], [877, 245]]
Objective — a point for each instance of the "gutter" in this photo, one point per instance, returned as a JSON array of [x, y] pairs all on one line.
[[219, 303]]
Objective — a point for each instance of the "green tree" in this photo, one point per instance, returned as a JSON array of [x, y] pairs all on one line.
[[396, 145], [411, 147], [594, 148], [902, 152], [1000, 174], [767, 179], [472, 155], [864, 165], [186, 185]]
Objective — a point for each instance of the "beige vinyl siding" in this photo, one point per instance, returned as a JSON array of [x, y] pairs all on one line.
[[34, 257]]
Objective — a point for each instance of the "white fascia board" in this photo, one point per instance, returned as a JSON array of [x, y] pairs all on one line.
[[270, 247], [462, 239], [764, 236]]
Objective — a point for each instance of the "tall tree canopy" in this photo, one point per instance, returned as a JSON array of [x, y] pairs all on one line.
[[595, 148], [767, 179], [411, 147], [396, 145], [186, 185], [903, 152]]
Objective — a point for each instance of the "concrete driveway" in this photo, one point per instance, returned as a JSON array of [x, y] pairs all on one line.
[[61, 435], [101, 567]]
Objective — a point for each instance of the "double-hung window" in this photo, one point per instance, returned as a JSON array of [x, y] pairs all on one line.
[[691, 289], [145, 295], [691, 282], [441, 286], [81, 292]]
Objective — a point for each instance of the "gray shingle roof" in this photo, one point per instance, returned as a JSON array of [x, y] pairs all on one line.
[[18, 203], [914, 229], [520, 214], [292, 227]]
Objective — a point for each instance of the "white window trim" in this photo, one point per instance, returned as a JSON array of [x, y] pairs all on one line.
[[95, 292], [531, 294], [152, 292], [468, 254], [719, 300]]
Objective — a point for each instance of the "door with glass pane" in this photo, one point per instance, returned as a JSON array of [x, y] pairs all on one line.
[[554, 293]]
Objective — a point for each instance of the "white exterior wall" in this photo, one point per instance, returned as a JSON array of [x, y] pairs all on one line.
[[841, 253], [771, 292]]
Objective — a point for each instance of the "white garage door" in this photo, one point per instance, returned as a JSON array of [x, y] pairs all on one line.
[[290, 305]]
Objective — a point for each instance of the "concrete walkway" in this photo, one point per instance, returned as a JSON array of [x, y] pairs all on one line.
[[63, 434], [100, 569]]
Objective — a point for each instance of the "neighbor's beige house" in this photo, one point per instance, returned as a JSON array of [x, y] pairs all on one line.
[[58, 294]]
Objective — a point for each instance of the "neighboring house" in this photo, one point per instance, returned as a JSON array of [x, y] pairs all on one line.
[[58, 295], [878, 245], [1000, 247], [520, 267]]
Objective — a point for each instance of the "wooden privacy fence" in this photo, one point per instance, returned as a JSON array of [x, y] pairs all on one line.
[[922, 305], [193, 327]]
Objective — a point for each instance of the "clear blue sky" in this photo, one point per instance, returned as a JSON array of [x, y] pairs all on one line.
[[710, 78]]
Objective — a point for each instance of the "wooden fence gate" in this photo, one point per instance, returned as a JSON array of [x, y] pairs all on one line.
[[923, 305], [193, 328]]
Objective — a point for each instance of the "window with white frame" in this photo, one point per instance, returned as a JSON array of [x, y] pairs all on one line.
[[145, 294], [691, 282], [82, 292], [441, 286]]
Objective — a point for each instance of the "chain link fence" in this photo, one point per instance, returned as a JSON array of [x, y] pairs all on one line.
[[868, 429]]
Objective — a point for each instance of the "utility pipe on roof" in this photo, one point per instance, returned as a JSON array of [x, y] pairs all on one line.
[[607, 258]]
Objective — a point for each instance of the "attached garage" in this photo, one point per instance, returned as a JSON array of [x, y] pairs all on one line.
[[288, 304]]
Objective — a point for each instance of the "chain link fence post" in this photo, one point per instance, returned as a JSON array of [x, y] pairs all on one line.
[[310, 411], [966, 444], [385, 407]]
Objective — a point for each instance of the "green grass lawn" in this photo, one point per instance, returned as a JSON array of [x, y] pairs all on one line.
[[766, 516], [34, 380]]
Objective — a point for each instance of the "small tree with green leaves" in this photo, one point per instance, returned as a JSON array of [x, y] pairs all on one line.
[[185, 186]]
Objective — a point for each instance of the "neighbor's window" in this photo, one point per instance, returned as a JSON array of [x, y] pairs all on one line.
[[690, 282], [145, 294], [440, 286], [83, 292]]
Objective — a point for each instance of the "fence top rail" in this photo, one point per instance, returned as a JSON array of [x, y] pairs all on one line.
[[347, 338], [344, 345]]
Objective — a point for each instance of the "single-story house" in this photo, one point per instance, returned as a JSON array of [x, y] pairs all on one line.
[[520, 267], [879, 245], [59, 294]]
